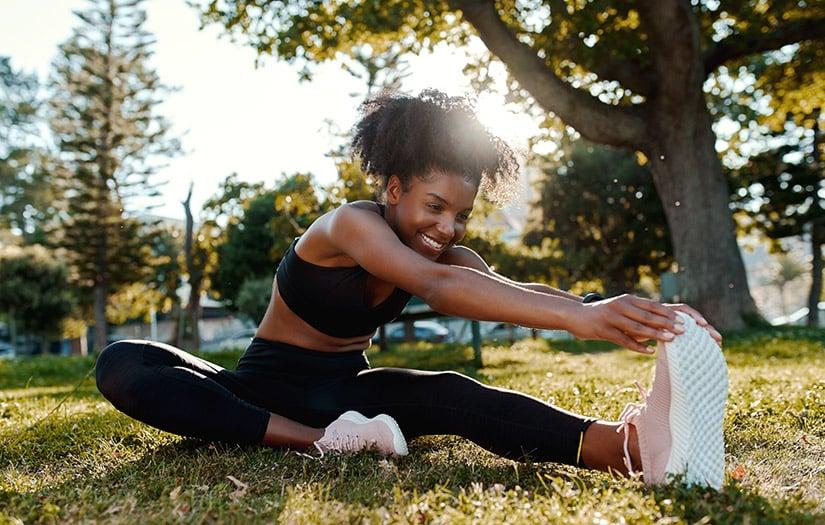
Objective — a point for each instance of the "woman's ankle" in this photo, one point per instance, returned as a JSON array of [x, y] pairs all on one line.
[[603, 447]]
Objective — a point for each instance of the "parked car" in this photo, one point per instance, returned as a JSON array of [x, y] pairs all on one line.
[[422, 331], [6, 350], [506, 332], [238, 340]]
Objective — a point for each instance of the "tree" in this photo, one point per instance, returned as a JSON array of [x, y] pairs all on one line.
[[253, 297], [784, 271], [110, 137], [27, 195], [34, 291], [601, 208], [780, 194], [776, 148], [260, 230], [625, 74]]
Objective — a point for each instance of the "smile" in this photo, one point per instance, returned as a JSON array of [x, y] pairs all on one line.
[[432, 243]]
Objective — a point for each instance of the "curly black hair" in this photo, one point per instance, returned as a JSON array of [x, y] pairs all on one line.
[[409, 136]]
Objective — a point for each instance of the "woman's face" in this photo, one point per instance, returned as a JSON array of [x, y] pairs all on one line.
[[432, 214]]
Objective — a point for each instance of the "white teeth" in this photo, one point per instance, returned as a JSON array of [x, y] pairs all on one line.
[[432, 243]]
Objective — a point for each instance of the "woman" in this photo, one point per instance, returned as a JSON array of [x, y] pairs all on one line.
[[354, 269]]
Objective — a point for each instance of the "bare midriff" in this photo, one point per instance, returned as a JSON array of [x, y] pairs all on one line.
[[282, 325]]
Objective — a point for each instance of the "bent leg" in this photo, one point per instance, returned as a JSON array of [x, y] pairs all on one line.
[[174, 391], [508, 423]]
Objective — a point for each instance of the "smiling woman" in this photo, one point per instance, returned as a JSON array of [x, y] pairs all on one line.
[[354, 269]]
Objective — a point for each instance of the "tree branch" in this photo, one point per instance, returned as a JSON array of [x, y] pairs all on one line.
[[614, 125], [627, 73], [744, 44], [673, 34]]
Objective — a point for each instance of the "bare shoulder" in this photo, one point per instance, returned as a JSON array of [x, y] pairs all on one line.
[[347, 222], [363, 205], [359, 231]]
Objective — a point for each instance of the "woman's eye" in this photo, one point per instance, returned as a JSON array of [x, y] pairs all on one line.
[[435, 207], [464, 217]]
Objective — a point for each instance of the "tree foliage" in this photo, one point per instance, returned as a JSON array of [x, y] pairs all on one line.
[[110, 137], [261, 224], [253, 297], [627, 74], [35, 291], [600, 208], [26, 195]]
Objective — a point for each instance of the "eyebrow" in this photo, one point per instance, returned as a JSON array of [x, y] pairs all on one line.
[[442, 199]]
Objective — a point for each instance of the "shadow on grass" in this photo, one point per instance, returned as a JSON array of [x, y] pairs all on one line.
[[198, 474]]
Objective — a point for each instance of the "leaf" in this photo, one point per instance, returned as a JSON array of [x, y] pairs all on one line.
[[241, 487], [738, 473]]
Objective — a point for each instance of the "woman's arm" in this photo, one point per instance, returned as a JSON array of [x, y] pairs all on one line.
[[466, 292], [463, 256]]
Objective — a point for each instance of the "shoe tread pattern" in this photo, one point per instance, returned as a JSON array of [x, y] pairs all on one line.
[[699, 386]]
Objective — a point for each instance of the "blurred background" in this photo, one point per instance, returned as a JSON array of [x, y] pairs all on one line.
[[157, 158]]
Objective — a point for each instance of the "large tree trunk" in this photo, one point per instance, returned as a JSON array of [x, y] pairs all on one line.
[[695, 196], [673, 127]]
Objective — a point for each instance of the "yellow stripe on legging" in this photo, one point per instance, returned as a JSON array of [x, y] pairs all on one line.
[[579, 452]]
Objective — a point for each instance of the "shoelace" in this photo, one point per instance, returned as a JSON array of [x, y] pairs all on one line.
[[631, 412], [343, 443], [340, 443]]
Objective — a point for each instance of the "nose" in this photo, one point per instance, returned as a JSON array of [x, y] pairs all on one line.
[[446, 228]]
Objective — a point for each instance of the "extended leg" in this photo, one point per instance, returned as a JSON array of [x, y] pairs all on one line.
[[174, 391], [509, 423]]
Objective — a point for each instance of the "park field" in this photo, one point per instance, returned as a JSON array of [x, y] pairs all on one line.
[[75, 459]]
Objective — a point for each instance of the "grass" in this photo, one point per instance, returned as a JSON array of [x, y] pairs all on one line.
[[83, 461]]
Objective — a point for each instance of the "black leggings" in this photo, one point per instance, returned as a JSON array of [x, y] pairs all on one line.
[[175, 391]]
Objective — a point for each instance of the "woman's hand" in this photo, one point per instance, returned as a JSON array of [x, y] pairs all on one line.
[[627, 321], [700, 320]]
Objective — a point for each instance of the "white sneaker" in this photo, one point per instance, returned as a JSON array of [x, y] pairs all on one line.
[[352, 432], [680, 424]]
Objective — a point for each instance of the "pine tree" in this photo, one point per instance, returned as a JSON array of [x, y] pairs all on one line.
[[110, 140]]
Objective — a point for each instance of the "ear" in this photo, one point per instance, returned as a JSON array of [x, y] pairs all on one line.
[[394, 189]]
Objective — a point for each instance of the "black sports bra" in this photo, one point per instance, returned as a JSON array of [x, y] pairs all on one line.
[[333, 300]]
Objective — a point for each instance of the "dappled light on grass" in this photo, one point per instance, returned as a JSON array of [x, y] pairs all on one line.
[[87, 462]]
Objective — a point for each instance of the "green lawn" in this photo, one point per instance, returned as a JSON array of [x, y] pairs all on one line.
[[86, 462]]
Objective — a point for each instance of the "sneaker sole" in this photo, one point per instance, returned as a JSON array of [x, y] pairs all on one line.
[[399, 442], [699, 387]]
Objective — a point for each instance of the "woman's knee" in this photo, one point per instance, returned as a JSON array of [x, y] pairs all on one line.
[[115, 364]]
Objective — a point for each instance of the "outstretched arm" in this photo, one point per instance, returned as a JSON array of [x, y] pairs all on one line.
[[463, 256], [472, 294]]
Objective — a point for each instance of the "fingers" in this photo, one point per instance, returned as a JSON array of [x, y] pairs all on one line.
[[657, 311], [654, 321], [622, 339], [643, 319], [641, 332], [700, 320]]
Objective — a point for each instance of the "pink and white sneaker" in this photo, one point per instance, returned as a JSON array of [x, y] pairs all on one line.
[[679, 425], [353, 432]]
